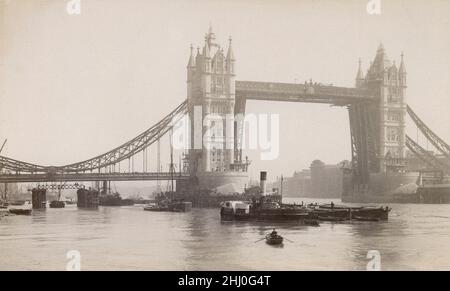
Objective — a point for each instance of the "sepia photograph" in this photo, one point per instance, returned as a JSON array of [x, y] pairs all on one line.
[[212, 135]]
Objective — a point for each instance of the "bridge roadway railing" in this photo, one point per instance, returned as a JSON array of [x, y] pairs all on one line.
[[87, 177], [308, 92]]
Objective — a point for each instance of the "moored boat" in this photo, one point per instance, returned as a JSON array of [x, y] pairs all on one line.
[[331, 218], [20, 211], [169, 206], [265, 209], [57, 204], [359, 218], [350, 212], [155, 207]]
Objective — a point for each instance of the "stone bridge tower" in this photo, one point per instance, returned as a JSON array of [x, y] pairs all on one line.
[[378, 128], [211, 96], [389, 83]]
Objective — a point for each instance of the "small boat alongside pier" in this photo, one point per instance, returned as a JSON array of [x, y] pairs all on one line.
[[165, 203]]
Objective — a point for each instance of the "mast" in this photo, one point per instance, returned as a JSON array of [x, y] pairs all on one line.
[[171, 161], [158, 165], [6, 184], [281, 190]]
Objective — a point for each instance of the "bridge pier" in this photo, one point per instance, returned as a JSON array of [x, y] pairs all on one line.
[[39, 198], [87, 198], [5, 193], [106, 187]]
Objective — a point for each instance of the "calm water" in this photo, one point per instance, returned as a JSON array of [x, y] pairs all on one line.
[[128, 238]]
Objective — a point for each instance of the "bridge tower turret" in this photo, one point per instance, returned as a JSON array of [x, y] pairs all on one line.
[[389, 84], [359, 80], [402, 73], [211, 88]]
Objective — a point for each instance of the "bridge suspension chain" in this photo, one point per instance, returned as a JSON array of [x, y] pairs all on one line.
[[115, 156], [426, 156], [442, 146], [19, 166]]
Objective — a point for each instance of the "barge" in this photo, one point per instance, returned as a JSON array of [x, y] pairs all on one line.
[[165, 202], [309, 215], [269, 207], [264, 210], [114, 199]]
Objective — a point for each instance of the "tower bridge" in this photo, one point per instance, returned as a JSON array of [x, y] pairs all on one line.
[[377, 115]]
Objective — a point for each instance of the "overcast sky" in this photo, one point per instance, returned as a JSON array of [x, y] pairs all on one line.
[[74, 86]]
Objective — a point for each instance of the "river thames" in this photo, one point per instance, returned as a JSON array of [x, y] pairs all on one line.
[[416, 237]]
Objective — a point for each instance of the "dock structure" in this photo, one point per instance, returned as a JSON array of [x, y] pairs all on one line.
[[87, 198], [39, 198]]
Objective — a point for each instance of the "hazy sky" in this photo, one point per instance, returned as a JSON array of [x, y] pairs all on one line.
[[74, 86]]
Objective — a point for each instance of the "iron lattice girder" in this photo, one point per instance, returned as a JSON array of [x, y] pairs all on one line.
[[121, 153], [19, 166], [426, 156], [442, 146], [87, 177], [309, 93], [61, 187], [360, 143]]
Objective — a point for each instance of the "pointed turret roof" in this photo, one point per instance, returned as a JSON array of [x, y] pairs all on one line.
[[359, 74], [230, 54], [381, 62], [191, 62], [402, 69], [206, 49]]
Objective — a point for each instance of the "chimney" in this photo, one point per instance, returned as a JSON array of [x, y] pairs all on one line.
[[262, 182]]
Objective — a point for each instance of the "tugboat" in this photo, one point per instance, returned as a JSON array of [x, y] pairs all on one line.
[[264, 208], [269, 207]]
